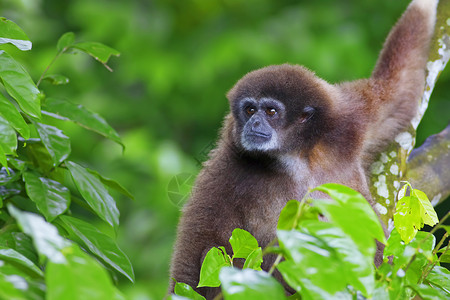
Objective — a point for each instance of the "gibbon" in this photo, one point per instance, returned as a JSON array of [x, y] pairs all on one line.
[[288, 131]]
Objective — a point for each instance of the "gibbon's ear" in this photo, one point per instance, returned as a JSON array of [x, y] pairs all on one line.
[[307, 114]]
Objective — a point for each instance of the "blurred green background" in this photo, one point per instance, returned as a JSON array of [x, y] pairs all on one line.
[[166, 96]]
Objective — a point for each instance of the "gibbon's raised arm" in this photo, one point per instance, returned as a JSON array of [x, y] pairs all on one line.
[[288, 131], [405, 51], [398, 79]]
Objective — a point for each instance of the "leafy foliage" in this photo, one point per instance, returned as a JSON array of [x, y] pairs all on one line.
[[249, 284], [167, 94], [330, 260], [244, 245], [412, 212], [38, 228]]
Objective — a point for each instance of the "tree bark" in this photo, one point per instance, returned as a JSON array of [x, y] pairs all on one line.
[[428, 167]]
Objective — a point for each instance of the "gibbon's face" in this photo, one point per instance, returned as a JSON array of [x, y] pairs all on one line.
[[262, 123], [277, 109], [261, 118]]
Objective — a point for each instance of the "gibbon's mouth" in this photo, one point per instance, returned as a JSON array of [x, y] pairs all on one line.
[[259, 134]]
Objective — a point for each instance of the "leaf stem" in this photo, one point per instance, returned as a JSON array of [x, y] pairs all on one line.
[[436, 249], [430, 264], [49, 66], [413, 258], [275, 264], [294, 225]]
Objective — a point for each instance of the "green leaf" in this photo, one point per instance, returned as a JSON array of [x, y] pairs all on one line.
[[445, 251], [397, 288], [295, 296], [23, 244], [345, 216], [407, 218], [356, 268], [341, 193], [8, 138], [79, 277], [99, 244], [249, 284], [100, 52], [427, 211], [19, 85], [440, 276], [112, 184], [314, 261], [177, 297], [289, 216], [10, 287], [214, 260], [13, 34], [15, 257], [243, 243], [6, 239], [412, 212], [185, 290], [65, 41], [296, 212], [27, 287], [97, 50], [254, 260], [39, 157], [15, 119], [45, 236], [427, 292], [402, 191], [51, 197], [10, 190], [292, 274], [351, 203], [81, 116], [403, 253], [56, 79], [3, 160], [381, 290], [17, 163], [445, 257], [54, 140], [11, 176], [95, 194]]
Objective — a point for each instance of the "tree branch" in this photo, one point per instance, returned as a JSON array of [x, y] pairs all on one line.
[[428, 167]]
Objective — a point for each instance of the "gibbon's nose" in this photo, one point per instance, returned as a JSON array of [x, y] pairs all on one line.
[[256, 123], [260, 128]]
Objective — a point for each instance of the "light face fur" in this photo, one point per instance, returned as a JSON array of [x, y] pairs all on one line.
[[288, 131]]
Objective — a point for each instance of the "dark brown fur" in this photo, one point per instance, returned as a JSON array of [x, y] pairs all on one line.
[[355, 120]]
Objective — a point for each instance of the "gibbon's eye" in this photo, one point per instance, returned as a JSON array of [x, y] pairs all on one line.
[[250, 110], [308, 112], [271, 111]]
